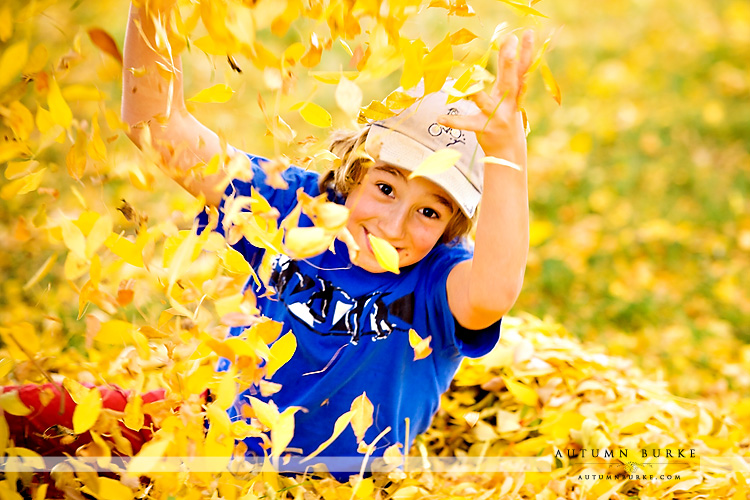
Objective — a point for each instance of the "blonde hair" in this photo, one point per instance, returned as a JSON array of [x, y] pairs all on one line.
[[348, 146]]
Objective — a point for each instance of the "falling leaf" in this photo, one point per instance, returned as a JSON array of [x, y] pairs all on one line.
[[283, 432], [105, 42], [314, 114], [87, 411], [12, 61], [58, 108], [385, 255], [41, 272], [338, 427], [439, 161], [361, 419], [281, 352], [348, 97], [549, 83], [462, 36], [11, 403], [305, 242], [216, 94], [421, 346]]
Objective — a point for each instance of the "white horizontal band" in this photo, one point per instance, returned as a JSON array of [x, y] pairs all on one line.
[[500, 161]]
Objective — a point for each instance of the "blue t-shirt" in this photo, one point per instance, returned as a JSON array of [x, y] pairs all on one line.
[[352, 332]]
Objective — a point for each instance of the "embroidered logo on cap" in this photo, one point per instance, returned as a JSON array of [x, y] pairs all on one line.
[[455, 136]]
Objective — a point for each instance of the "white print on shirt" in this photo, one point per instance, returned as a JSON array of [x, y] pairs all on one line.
[[329, 310]]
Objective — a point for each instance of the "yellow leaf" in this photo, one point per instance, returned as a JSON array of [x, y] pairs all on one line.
[[61, 113], [413, 52], [6, 366], [304, 242], [87, 411], [125, 249], [550, 83], [96, 148], [227, 389], [219, 419], [281, 351], [37, 60], [375, 111], [362, 411], [21, 340], [283, 432], [144, 460], [112, 489], [439, 161], [364, 488], [218, 93], [229, 304], [385, 254], [42, 272], [11, 403], [348, 97], [134, 412], [521, 392], [392, 455], [23, 185], [6, 23], [116, 332], [421, 346], [12, 62], [332, 77], [266, 413], [78, 92], [462, 36], [314, 114], [437, 66], [524, 8], [234, 262], [338, 428], [209, 46], [98, 234], [20, 120], [4, 435]]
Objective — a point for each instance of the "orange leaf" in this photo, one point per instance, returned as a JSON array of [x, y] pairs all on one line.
[[105, 42]]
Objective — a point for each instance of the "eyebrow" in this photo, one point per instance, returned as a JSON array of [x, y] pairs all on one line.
[[439, 198]]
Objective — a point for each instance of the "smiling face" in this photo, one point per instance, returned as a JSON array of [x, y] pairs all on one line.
[[410, 214]]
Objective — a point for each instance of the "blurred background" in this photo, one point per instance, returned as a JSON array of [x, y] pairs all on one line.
[[639, 181]]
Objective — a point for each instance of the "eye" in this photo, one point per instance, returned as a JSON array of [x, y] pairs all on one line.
[[384, 188], [430, 213]]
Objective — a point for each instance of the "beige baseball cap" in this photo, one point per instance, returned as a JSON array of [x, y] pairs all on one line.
[[408, 138]]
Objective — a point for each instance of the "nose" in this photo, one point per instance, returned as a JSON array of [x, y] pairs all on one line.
[[392, 223]]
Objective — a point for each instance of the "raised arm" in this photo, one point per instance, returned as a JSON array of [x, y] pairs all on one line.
[[153, 100], [481, 290]]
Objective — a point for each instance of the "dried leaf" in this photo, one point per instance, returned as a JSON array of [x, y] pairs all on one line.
[[216, 94]]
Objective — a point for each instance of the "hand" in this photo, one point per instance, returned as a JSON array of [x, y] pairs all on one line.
[[499, 125]]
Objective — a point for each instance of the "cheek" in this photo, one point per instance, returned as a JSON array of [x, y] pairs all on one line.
[[426, 236]]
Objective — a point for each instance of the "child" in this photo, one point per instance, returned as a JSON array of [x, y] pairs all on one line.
[[352, 320]]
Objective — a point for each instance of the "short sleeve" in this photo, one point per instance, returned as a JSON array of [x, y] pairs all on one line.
[[283, 200], [455, 340]]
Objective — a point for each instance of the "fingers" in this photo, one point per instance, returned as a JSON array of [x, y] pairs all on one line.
[[512, 67], [527, 46], [473, 123], [507, 79]]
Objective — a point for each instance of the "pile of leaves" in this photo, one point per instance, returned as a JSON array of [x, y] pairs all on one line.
[[540, 394]]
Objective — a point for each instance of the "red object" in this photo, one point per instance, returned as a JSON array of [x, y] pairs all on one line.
[[48, 429]]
